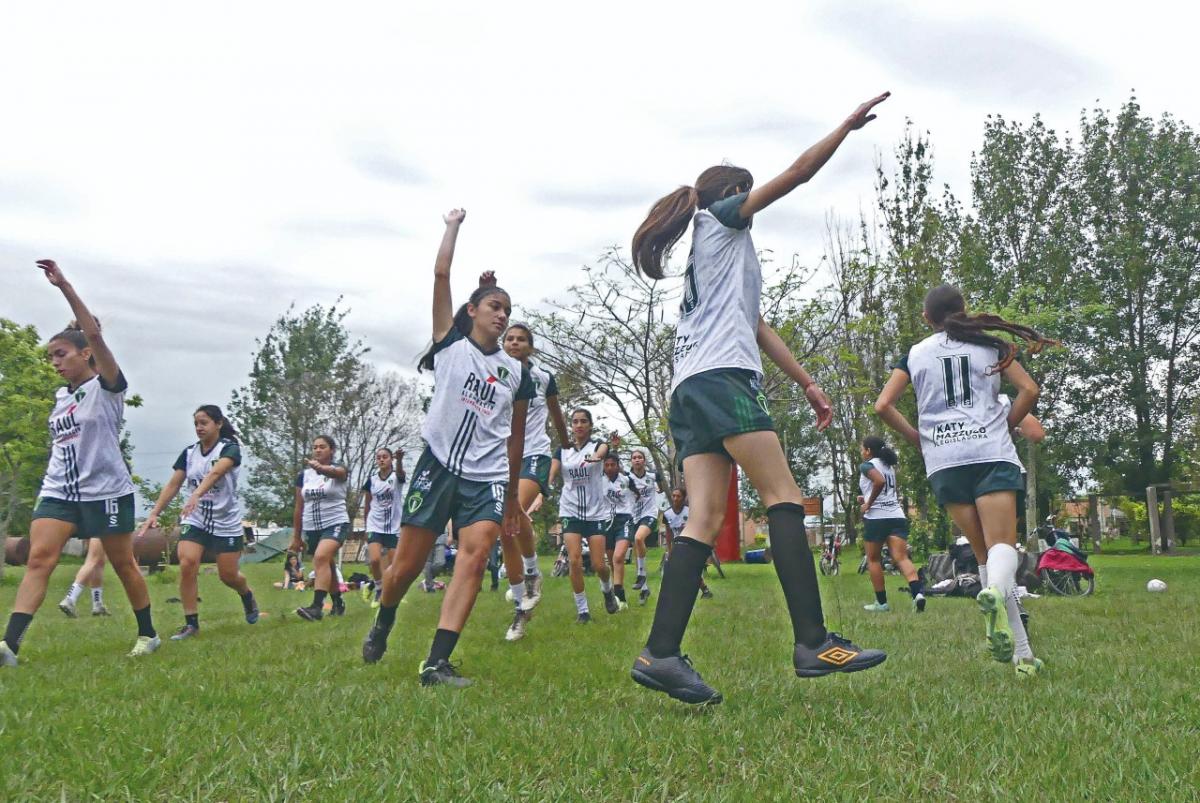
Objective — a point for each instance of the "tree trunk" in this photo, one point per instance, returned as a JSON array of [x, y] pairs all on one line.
[[1093, 518], [1031, 510]]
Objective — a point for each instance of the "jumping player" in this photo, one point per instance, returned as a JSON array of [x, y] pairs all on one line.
[[320, 514], [87, 491], [718, 412], [381, 511], [884, 522]]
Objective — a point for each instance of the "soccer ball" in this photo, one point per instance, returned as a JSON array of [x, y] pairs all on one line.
[[508, 594], [1156, 585]]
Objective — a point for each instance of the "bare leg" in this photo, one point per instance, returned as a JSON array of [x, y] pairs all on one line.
[[190, 554], [474, 543]]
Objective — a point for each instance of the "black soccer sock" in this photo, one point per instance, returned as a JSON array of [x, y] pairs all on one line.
[[619, 591], [794, 565], [145, 626], [335, 594], [916, 587], [247, 600], [881, 597], [319, 599], [192, 619], [386, 617], [677, 596], [18, 623], [443, 645]]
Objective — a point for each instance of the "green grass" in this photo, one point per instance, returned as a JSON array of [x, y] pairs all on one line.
[[286, 710]]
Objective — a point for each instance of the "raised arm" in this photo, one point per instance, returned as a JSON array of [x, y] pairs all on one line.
[[106, 363], [812, 160], [885, 407], [777, 351], [443, 307], [333, 470]]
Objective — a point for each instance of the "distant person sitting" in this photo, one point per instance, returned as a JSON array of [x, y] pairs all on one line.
[[293, 573]]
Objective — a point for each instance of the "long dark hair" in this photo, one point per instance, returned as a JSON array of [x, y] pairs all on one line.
[[463, 321], [73, 334], [947, 309], [669, 217], [329, 441], [214, 413], [877, 447]]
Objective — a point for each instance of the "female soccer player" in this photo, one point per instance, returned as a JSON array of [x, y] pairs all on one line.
[[965, 439], [675, 519], [211, 516], [584, 509], [320, 513], [474, 433], [381, 511], [622, 496], [90, 575], [884, 522], [718, 412], [645, 516], [87, 491]]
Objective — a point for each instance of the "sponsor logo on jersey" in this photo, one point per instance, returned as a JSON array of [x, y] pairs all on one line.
[[957, 432], [502, 372], [423, 482], [479, 394], [414, 501]]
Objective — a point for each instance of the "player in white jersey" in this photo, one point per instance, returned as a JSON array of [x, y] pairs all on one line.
[[622, 496], [719, 416], [584, 509], [675, 518], [645, 516], [520, 554], [320, 514], [90, 576], [211, 518], [964, 436], [87, 491], [884, 522], [474, 434], [381, 500]]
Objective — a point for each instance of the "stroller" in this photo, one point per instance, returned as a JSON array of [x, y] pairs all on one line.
[[562, 564], [1064, 569]]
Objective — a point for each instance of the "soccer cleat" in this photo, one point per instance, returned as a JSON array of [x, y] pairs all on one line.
[[611, 603], [7, 656], [68, 607], [375, 644], [516, 631], [834, 654], [644, 594], [639, 583], [706, 594], [252, 612], [375, 603], [187, 631], [999, 632], [533, 592], [312, 614], [675, 676], [339, 607], [365, 592], [878, 607], [443, 673], [100, 610], [583, 618], [1029, 667], [919, 603], [144, 646]]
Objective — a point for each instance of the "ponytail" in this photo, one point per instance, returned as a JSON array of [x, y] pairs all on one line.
[[74, 334], [877, 447], [463, 321], [214, 413], [947, 310]]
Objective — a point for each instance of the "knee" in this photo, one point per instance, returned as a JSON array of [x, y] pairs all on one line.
[[229, 577], [189, 566], [41, 561]]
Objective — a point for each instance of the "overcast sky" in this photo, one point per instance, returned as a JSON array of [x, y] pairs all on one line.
[[196, 167]]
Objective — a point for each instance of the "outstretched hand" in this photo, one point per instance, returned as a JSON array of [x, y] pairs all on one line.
[[455, 216], [821, 405], [150, 522], [53, 272], [862, 115]]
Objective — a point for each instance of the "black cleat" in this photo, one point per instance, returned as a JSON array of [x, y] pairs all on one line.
[[706, 594], [675, 676], [835, 654], [583, 618], [339, 607], [610, 602], [443, 673], [639, 583], [375, 644], [313, 614], [644, 594]]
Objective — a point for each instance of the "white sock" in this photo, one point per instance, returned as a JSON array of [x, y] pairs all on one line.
[[1002, 568], [531, 568], [1021, 648], [983, 575], [581, 602], [97, 596], [606, 586], [518, 593], [73, 592], [641, 565]]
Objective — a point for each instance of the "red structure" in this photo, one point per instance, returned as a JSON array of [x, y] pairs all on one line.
[[729, 541]]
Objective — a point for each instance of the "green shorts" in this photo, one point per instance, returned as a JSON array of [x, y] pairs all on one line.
[[386, 540], [649, 522], [619, 529], [964, 484], [436, 495], [336, 532], [710, 406], [878, 530], [91, 519], [536, 467], [216, 543], [584, 527]]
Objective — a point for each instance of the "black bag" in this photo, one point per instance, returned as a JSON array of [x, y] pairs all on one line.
[[964, 559], [939, 568]]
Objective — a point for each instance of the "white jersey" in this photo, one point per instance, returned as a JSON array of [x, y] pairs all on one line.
[[887, 504], [470, 416], [86, 464], [324, 500], [621, 493], [960, 415], [676, 521], [584, 485], [646, 488], [384, 516], [537, 439], [219, 511], [718, 316]]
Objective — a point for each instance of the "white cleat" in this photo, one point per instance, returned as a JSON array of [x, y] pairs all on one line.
[[516, 631], [7, 657], [144, 646], [533, 592], [68, 607]]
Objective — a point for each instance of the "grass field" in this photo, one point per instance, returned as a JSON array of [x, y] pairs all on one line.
[[286, 710]]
